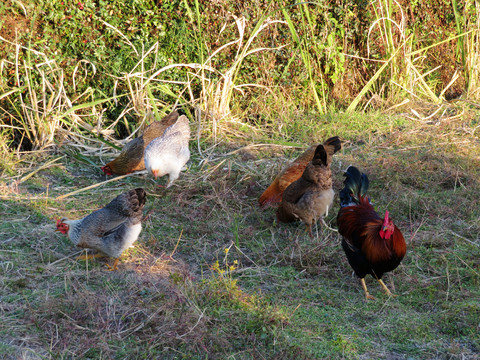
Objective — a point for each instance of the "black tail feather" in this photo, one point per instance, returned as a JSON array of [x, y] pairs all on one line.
[[129, 203], [355, 185], [141, 195], [320, 156], [335, 142]]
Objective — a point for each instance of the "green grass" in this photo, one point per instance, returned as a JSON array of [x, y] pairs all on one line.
[[238, 285], [287, 296]]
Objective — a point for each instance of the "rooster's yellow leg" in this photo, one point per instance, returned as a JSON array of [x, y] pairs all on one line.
[[367, 294], [385, 288], [114, 267], [89, 256]]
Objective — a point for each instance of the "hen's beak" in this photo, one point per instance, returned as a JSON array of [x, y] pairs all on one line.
[[155, 173]]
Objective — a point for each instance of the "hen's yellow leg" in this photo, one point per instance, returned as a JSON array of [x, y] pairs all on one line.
[[385, 288], [367, 294], [115, 265], [90, 256]]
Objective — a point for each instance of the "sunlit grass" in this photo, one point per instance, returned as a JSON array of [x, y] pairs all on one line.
[[212, 275]]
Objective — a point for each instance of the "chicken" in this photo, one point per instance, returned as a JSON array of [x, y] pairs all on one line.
[[110, 230], [373, 245], [131, 157], [309, 197], [273, 194], [168, 153]]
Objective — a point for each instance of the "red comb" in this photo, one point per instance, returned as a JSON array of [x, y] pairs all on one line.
[[385, 222]]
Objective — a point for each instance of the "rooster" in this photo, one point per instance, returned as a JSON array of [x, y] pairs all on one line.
[[309, 197], [110, 230], [168, 153], [131, 157], [373, 245], [273, 194]]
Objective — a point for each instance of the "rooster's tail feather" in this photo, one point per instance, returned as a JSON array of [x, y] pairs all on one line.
[[355, 186]]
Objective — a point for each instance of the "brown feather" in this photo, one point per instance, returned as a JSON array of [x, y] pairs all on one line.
[[285, 216], [273, 194], [374, 247], [399, 246]]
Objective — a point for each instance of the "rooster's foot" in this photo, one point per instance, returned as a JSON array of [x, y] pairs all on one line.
[[367, 294], [389, 293]]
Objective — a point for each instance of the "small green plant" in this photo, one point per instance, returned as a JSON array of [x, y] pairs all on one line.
[[223, 277]]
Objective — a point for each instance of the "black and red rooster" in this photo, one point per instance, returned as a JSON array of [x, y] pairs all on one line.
[[373, 245]]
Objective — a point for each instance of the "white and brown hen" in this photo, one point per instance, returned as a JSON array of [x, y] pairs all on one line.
[[169, 153], [131, 157], [110, 230]]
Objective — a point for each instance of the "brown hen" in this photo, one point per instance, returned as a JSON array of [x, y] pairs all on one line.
[[273, 194], [309, 197]]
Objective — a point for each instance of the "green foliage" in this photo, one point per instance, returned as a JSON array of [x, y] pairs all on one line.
[[113, 35], [97, 50]]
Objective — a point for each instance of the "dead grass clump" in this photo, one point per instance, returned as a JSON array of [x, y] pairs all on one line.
[[293, 247], [102, 317]]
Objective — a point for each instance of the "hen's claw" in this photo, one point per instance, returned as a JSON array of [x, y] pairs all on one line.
[[89, 256], [114, 267]]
